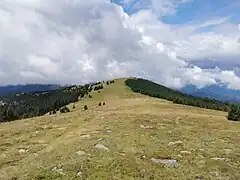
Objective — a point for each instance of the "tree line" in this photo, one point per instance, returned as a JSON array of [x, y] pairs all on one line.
[[25, 105], [152, 89]]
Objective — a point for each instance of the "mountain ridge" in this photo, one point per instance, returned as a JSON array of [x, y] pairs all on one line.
[[27, 88], [218, 92]]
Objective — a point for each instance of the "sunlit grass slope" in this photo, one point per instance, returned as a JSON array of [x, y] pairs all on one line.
[[120, 140]]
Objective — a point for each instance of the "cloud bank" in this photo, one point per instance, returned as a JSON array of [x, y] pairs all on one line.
[[78, 41]]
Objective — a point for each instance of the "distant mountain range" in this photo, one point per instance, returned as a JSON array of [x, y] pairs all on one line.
[[218, 92], [14, 89]]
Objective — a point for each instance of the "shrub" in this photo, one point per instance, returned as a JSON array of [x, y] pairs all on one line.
[[85, 107], [99, 104], [90, 96], [234, 113], [54, 111], [74, 106], [107, 83], [64, 110], [103, 103]]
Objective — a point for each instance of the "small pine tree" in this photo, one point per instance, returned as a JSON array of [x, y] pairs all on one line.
[[107, 83], [99, 104], [74, 106], [103, 103], [50, 113], [85, 107], [54, 111], [234, 113]]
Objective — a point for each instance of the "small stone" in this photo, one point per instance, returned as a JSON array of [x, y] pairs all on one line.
[[179, 156], [80, 153], [101, 146], [85, 136], [220, 159], [122, 153], [228, 151], [167, 162], [109, 131], [22, 150], [175, 143], [59, 170], [54, 169], [146, 127], [79, 174], [185, 152], [199, 177], [41, 141]]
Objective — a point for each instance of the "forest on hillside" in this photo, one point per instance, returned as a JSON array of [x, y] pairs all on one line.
[[152, 89], [25, 105]]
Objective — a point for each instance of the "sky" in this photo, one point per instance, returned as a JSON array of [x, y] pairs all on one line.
[[172, 42]]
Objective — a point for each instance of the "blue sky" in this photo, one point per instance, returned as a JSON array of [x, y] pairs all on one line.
[[193, 11]]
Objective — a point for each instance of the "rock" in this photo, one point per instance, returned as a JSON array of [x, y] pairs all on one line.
[[179, 156], [228, 151], [80, 153], [146, 127], [122, 153], [101, 146], [185, 152], [85, 136], [199, 177], [175, 143], [22, 150], [41, 141], [220, 159], [167, 162], [79, 174], [59, 170], [109, 131]]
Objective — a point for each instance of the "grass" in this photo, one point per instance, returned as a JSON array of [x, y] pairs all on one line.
[[52, 141]]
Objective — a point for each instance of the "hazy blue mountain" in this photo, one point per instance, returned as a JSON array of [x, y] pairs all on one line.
[[214, 91], [13, 89]]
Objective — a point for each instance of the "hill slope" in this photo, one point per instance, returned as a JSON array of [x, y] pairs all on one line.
[[152, 89], [125, 139]]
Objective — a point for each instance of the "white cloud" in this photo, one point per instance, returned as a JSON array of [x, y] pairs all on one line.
[[78, 41]]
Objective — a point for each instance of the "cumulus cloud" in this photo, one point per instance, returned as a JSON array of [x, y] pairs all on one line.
[[78, 41]]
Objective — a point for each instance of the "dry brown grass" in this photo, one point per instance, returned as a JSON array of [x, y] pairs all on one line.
[[52, 141]]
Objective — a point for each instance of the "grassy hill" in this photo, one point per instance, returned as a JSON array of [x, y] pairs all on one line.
[[131, 137]]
